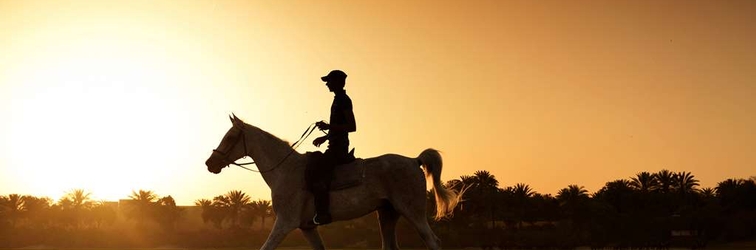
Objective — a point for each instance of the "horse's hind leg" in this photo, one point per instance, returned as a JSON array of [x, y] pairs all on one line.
[[416, 216], [387, 217], [313, 237], [431, 241]]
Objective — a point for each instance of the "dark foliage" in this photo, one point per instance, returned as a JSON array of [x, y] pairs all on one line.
[[662, 209]]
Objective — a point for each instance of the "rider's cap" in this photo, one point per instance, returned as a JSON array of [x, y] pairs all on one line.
[[334, 75]]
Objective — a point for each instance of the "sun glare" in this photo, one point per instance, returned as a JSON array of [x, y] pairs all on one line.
[[96, 114]]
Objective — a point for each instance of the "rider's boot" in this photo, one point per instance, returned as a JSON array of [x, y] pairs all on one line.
[[322, 200]]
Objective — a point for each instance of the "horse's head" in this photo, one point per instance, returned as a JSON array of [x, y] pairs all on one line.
[[231, 148]]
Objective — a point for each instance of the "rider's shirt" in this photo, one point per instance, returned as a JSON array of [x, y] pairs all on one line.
[[341, 104]]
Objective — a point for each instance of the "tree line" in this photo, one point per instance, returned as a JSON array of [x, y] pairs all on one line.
[[144, 219], [659, 209]]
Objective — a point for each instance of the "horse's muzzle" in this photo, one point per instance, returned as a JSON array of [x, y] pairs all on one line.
[[214, 165]]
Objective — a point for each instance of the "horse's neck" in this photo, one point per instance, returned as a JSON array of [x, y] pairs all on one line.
[[269, 152]]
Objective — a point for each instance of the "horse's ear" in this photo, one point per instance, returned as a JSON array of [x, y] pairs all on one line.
[[231, 118], [236, 121]]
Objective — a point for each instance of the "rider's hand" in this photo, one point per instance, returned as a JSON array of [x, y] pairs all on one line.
[[319, 140], [322, 125]]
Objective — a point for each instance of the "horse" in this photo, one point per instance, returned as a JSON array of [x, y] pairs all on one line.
[[392, 184]]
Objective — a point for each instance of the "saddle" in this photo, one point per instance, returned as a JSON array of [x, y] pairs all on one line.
[[349, 172]]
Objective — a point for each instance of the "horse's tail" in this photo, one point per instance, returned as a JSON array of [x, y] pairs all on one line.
[[446, 198]]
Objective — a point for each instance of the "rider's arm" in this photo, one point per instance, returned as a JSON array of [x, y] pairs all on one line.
[[350, 126]]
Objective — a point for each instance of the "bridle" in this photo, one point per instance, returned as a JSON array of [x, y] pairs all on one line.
[[242, 136], [224, 155]]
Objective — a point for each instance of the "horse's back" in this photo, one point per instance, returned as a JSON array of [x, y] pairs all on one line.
[[392, 171], [385, 167], [393, 162]]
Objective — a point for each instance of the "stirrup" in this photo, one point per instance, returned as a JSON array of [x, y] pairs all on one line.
[[328, 221]]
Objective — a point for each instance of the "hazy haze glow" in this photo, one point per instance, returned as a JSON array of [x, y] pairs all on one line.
[[118, 96]]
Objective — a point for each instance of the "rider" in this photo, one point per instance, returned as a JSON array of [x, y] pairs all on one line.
[[341, 123]]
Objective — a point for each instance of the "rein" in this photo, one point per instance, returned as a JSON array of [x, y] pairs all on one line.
[[294, 146]]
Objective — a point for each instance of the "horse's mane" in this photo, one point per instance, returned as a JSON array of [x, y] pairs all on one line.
[[264, 133]]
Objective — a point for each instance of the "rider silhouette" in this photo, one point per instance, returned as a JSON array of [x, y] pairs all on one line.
[[340, 125]]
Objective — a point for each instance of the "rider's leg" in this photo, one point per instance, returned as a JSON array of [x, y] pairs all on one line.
[[312, 170], [321, 192]]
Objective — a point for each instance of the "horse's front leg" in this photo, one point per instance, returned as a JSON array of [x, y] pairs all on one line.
[[281, 228]]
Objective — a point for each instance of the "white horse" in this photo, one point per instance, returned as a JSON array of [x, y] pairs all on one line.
[[394, 185]]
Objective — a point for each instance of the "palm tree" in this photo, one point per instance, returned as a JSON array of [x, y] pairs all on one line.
[[222, 210], [729, 193], [467, 205], [644, 182], [487, 186], [168, 212], [485, 179], [144, 196], [467, 180], [237, 200], [685, 182], [207, 207], [221, 201], [521, 193], [144, 200], [12, 205], [34, 208], [617, 193], [666, 180], [571, 194], [73, 205], [573, 200], [35, 211], [708, 194], [261, 208], [203, 202], [79, 198], [454, 183]]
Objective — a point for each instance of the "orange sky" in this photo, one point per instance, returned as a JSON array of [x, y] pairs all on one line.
[[112, 96]]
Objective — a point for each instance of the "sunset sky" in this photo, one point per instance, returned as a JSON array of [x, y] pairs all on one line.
[[115, 96]]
